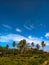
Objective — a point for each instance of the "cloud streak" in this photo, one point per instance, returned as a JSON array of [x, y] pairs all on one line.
[[18, 30], [29, 27], [6, 26]]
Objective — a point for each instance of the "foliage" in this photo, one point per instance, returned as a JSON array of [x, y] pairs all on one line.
[[23, 55]]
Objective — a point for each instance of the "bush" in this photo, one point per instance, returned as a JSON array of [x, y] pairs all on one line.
[[33, 62]]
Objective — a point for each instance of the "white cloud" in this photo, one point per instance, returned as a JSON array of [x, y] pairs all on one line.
[[16, 37], [47, 35], [29, 27], [6, 26], [18, 30], [47, 42], [29, 37], [35, 39]]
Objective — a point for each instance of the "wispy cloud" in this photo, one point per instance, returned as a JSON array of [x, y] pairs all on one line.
[[16, 37], [29, 27], [18, 30], [6, 26], [42, 25], [47, 35]]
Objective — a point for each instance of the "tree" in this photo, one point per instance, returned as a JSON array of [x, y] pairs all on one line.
[[7, 47], [22, 45], [43, 44], [32, 44], [14, 44], [37, 46], [1, 50]]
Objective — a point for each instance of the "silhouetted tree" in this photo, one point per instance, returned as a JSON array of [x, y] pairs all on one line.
[[7, 46], [22, 45], [14, 44], [32, 44], [1, 50], [37, 46], [43, 44]]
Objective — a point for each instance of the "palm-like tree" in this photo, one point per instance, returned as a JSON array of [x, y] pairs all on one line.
[[6, 48], [37, 46], [14, 44], [43, 44], [32, 44], [22, 45], [1, 50]]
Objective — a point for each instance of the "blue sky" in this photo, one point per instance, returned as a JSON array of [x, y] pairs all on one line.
[[24, 20]]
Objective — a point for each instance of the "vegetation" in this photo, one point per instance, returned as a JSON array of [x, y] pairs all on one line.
[[24, 54]]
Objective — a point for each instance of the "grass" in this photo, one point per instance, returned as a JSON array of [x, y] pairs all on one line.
[[19, 60]]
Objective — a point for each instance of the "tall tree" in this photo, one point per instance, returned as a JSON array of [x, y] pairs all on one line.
[[32, 44], [6, 48], [1, 50], [22, 45], [14, 44], [37, 46], [43, 44]]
